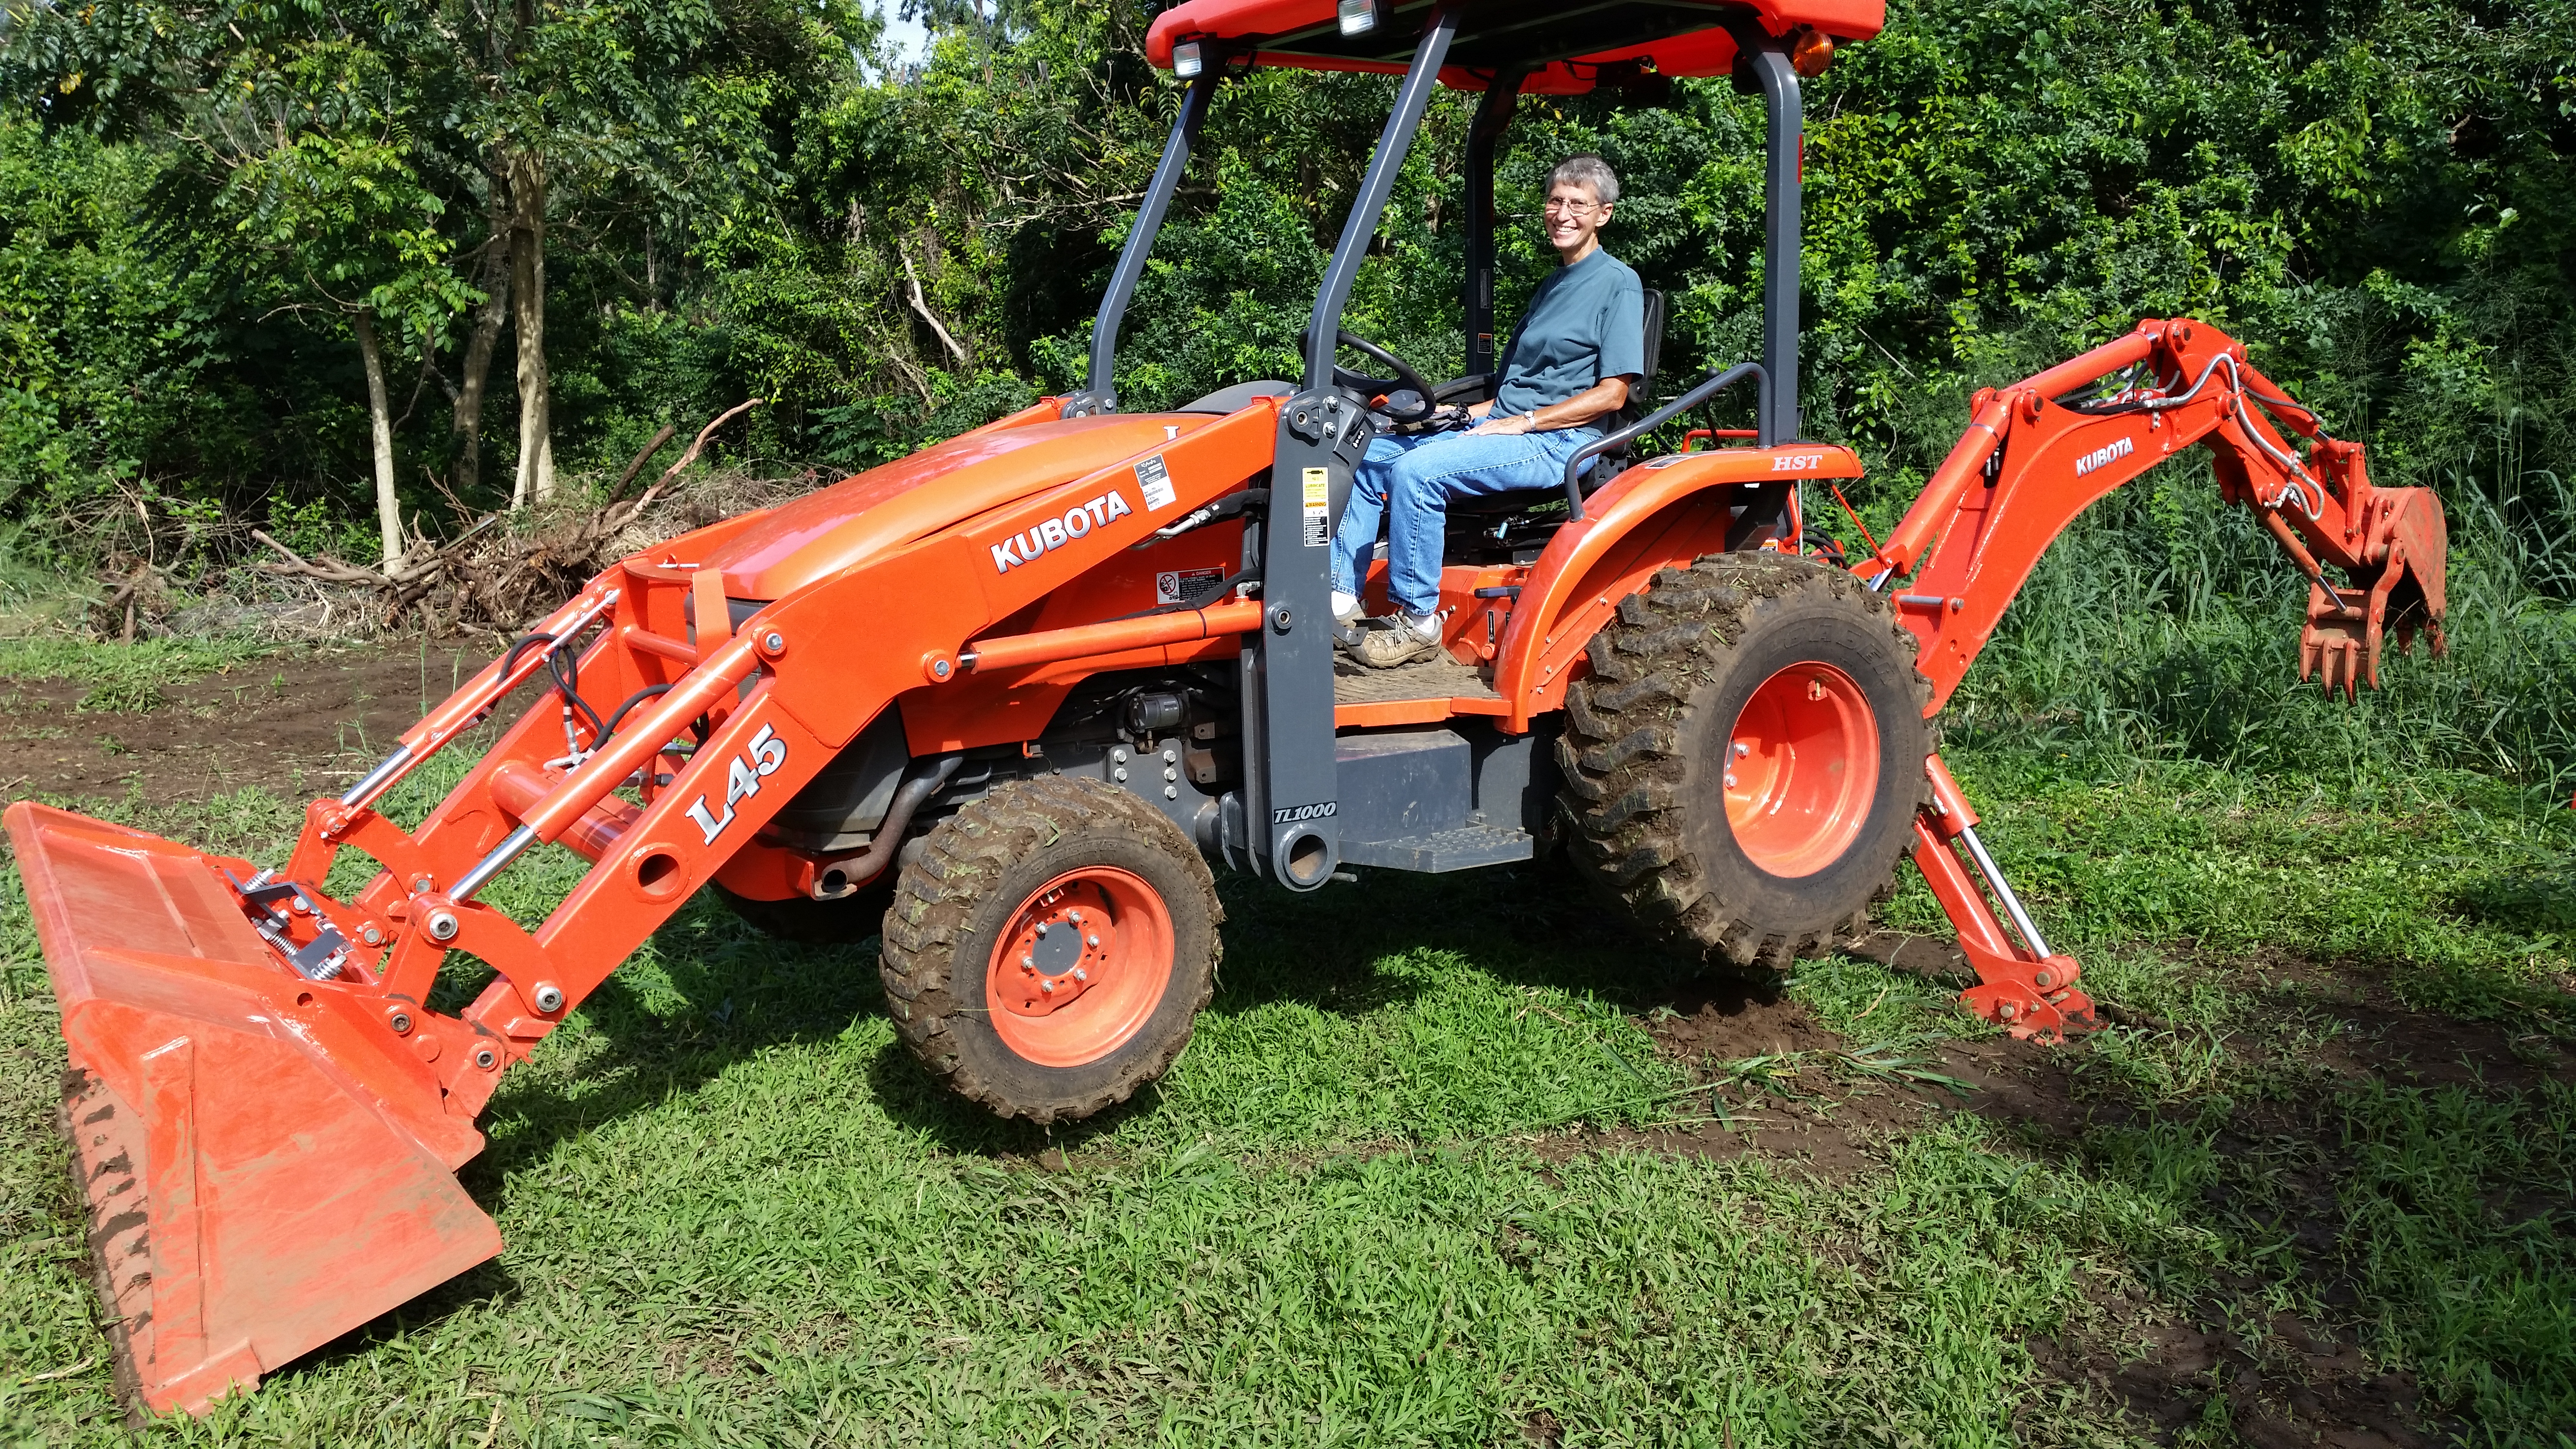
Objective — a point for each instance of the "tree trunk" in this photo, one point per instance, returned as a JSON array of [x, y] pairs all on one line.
[[495, 310], [536, 481], [380, 419]]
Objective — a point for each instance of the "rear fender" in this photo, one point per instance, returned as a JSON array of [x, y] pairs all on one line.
[[1657, 515]]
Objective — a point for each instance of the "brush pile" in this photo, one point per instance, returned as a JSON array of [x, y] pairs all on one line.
[[489, 573]]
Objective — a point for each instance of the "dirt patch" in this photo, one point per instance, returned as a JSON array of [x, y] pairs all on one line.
[[1790, 1115], [2383, 1037], [264, 722], [2282, 1385]]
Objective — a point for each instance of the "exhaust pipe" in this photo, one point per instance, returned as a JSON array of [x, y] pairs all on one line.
[[845, 877]]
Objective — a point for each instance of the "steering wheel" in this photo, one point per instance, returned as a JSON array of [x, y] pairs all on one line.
[[1369, 387]]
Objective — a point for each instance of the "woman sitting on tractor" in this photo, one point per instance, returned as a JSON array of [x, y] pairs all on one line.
[[1580, 346]]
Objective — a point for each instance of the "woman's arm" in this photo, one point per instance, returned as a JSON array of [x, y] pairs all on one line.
[[1597, 401]]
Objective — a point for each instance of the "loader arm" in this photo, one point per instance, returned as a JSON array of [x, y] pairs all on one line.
[[2034, 456], [255, 1063]]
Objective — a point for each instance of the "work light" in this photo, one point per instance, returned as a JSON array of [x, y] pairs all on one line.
[[1185, 60]]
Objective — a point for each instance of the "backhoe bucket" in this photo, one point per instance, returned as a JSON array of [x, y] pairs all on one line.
[[261, 1177]]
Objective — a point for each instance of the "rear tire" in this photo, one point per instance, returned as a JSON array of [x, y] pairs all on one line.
[[1051, 883], [846, 921], [1774, 850]]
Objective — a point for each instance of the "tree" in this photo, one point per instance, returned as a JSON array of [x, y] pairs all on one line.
[[323, 179]]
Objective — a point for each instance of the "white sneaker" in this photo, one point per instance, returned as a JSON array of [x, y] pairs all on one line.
[[1346, 608], [1399, 640]]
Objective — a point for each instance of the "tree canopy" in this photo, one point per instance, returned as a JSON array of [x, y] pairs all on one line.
[[669, 205]]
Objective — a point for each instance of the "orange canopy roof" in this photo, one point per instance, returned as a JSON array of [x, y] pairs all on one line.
[[1564, 45]]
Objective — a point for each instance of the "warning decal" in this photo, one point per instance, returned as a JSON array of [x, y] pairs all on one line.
[[1319, 506], [1171, 587], [1156, 480]]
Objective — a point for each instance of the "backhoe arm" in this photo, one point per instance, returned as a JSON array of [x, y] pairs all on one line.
[[2036, 454]]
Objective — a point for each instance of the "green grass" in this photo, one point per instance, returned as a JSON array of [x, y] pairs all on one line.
[[737, 1213]]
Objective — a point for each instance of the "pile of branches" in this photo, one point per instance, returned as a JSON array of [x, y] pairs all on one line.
[[496, 572]]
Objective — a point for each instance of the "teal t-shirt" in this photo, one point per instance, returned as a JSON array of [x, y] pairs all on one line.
[[1584, 323]]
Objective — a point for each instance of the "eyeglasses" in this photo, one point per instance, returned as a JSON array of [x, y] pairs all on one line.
[[1555, 206]]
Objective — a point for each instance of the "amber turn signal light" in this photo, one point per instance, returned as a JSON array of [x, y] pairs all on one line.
[[1811, 52]]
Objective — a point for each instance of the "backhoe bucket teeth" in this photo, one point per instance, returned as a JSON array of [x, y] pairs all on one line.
[[261, 1177], [2347, 629]]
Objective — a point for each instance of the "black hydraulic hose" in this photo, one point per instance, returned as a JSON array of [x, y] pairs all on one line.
[[519, 646], [566, 672], [918, 785], [650, 691]]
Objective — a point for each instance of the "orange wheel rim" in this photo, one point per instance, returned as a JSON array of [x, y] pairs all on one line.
[[1801, 769], [1080, 967]]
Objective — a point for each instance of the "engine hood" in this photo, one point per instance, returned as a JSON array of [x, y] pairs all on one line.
[[901, 502]]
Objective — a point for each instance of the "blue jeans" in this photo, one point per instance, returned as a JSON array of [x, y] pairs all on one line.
[[1407, 482]]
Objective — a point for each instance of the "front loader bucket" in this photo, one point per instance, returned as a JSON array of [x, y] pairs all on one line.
[[261, 1177]]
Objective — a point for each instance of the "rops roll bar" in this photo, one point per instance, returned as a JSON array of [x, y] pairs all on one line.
[[1612, 442]]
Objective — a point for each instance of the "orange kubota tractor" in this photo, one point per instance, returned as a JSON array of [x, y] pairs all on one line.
[[1009, 700]]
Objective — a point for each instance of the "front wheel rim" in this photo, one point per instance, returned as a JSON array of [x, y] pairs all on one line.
[[1801, 769], [1080, 967]]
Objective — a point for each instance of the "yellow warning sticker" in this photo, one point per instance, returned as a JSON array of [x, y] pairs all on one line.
[[1319, 507]]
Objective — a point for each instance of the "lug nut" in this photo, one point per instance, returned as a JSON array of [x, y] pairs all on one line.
[[1081, 975], [1120, 774], [1742, 749], [1047, 986], [1030, 962], [1730, 779], [1117, 757], [1093, 941], [550, 997], [442, 925], [1170, 754], [1074, 916], [1171, 792]]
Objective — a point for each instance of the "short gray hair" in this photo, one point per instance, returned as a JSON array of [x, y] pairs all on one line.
[[1587, 170]]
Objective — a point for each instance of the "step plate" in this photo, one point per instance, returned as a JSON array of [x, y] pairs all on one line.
[[1464, 848]]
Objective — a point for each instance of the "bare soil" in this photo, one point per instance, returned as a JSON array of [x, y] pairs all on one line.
[[2278, 1381], [294, 723]]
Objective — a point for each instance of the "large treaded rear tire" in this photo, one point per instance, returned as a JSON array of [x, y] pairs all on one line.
[[977, 875], [1646, 743]]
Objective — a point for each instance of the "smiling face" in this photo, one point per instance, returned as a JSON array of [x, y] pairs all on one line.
[[1574, 217]]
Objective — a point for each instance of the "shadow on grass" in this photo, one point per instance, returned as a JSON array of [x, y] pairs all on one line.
[[739, 994]]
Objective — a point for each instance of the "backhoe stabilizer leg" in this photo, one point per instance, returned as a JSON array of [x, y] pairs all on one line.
[[2024, 988]]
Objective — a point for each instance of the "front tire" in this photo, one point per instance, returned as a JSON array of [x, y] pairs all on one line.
[[1049, 951], [1744, 763]]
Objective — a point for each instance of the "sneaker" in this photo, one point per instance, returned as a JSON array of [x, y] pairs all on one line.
[[1346, 608], [1401, 640]]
